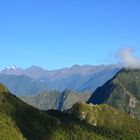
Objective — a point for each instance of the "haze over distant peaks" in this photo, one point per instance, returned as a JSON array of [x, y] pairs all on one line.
[[13, 67], [36, 79]]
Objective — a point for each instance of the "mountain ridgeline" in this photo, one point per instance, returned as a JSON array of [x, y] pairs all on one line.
[[35, 80], [121, 92], [20, 121]]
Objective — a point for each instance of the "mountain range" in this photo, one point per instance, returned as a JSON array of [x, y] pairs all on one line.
[[35, 80], [121, 92], [20, 121]]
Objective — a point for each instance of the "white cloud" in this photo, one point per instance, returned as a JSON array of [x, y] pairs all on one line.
[[128, 59]]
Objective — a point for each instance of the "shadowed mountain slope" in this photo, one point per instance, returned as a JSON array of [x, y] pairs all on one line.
[[122, 92]]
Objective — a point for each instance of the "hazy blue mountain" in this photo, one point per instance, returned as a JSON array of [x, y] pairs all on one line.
[[36, 79], [22, 85], [99, 78], [33, 72]]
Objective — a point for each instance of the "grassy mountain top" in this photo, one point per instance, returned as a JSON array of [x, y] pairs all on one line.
[[107, 120], [100, 115]]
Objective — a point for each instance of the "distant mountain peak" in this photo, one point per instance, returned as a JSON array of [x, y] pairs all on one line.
[[13, 67], [34, 68], [76, 66]]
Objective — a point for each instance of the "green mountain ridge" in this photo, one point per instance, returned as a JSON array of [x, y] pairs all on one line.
[[121, 92], [107, 118]]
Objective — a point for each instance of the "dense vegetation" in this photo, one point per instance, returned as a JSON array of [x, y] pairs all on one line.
[[20, 121], [107, 120]]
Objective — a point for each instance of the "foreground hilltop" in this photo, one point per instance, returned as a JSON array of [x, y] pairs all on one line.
[[19, 121], [121, 92]]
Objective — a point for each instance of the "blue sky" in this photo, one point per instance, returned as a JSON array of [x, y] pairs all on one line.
[[59, 33]]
